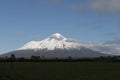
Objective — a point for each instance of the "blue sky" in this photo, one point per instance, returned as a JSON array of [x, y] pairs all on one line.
[[87, 20]]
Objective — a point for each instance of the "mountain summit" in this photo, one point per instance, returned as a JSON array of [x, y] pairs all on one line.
[[55, 41], [55, 45], [57, 36]]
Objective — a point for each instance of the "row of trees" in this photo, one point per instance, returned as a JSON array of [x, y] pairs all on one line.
[[13, 58]]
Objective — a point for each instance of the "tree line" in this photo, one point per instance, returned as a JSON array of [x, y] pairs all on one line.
[[33, 58]]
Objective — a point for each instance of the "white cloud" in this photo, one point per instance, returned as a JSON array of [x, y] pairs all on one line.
[[111, 6], [113, 42], [107, 6], [108, 47], [104, 6]]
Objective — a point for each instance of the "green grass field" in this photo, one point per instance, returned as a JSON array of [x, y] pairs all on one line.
[[60, 71]]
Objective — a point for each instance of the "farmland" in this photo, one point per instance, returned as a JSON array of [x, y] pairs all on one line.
[[60, 71]]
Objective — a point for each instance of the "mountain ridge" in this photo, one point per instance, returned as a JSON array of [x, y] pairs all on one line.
[[51, 43], [55, 46]]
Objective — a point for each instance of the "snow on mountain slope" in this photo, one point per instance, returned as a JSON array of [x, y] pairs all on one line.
[[56, 46], [55, 41], [30, 45]]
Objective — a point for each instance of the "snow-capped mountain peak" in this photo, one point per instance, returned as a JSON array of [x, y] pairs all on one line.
[[55, 41], [57, 36], [57, 45]]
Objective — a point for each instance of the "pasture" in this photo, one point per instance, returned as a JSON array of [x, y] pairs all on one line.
[[60, 71]]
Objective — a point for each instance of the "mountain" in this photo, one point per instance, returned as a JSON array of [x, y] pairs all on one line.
[[55, 46], [55, 41]]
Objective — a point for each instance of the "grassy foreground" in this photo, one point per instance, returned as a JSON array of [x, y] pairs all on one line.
[[60, 71]]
